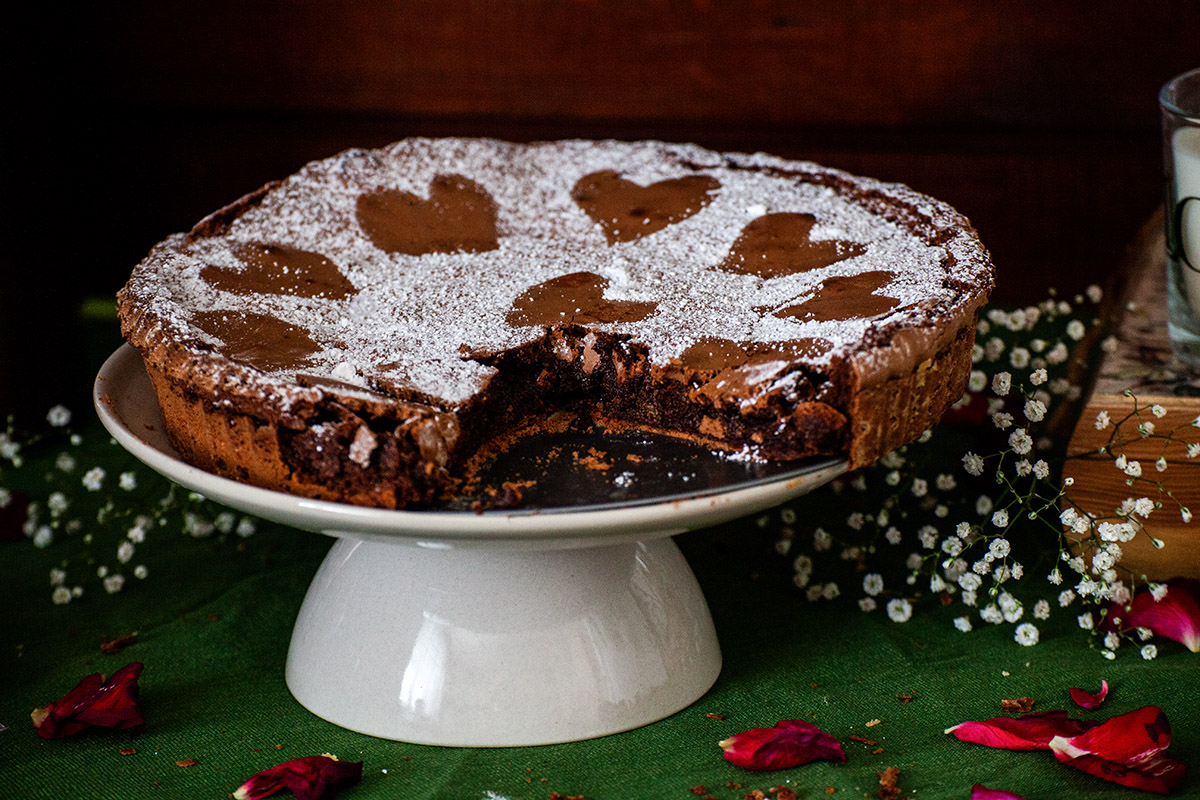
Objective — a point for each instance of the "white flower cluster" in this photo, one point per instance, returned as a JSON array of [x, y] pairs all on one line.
[[963, 536], [98, 514]]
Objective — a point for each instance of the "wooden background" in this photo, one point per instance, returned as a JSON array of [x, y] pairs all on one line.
[[130, 121]]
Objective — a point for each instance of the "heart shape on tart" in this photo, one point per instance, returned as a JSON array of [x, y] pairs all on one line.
[[279, 270], [626, 211], [458, 217], [262, 341], [576, 298], [775, 245], [845, 297]]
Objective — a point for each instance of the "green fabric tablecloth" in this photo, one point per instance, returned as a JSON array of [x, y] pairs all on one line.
[[214, 619], [214, 615]]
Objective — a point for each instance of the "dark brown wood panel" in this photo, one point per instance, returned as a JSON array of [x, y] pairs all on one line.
[[828, 62]]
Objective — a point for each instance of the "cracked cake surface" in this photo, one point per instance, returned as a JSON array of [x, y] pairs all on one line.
[[356, 330]]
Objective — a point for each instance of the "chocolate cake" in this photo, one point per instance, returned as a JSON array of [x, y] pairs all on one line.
[[357, 331]]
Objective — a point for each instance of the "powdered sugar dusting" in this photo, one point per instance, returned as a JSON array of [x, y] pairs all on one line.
[[423, 311]]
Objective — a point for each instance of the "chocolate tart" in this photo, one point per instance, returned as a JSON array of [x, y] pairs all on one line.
[[358, 331]]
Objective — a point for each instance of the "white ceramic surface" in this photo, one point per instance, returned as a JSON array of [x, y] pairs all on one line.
[[496, 629]]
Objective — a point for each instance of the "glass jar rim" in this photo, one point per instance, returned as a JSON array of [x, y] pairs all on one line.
[[1169, 101]]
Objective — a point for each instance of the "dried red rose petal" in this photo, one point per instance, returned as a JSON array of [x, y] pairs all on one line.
[[1176, 616], [790, 743], [1087, 699], [94, 703], [1127, 750], [309, 778], [981, 792], [1030, 732]]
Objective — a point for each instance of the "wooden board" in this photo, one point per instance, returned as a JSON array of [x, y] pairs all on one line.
[[1143, 364]]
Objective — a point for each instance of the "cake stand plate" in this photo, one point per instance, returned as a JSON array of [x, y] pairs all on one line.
[[501, 628]]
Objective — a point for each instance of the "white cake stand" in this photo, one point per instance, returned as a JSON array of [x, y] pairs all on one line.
[[493, 629]]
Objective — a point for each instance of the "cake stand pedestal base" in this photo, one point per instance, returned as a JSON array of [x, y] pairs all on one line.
[[501, 646]]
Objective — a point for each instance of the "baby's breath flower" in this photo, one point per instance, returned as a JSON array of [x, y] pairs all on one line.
[[970, 581], [43, 536], [830, 591], [1085, 621], [946, 482], [977, 381], [920, 487], [928, 536], [1143, 506], [1161, 464], [893, 535], [125, 551], [1001, 383], [127, 481], [1146, 428], [59, 416], [65, 462], [1193, 449], [822, 540], [1019, 357], [1065, 598], [1149, 652], [60, 596], [983, 505], [1002, 420], [1041, 609], [1020, 441], [999, 548], [899, 610], [1094, 293], [114, 583], [1058, 354], [225, 521], [873, 584], [973, 464], [867, 604], [57, 503], [1000, 520], [1158, 591], [93, 479], [1026, 634], [1041, 470], [963, 624], [1035, 410], [245, 527], [1158, 410], [993, 349], [1185, 514], [1023, 467], [1133, 469], [991, 613], [140, 571], [1075, 329]]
